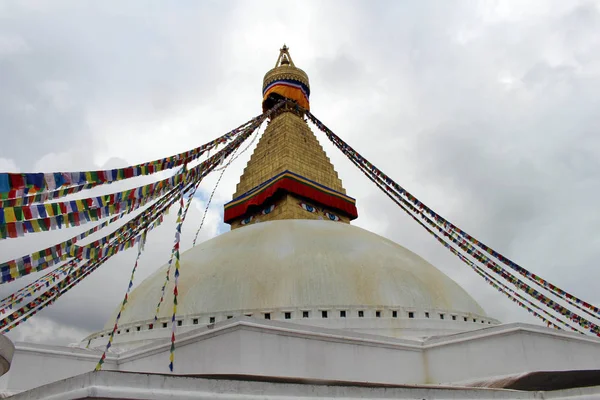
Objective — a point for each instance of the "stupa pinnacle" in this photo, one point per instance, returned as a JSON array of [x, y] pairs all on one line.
[[289, 176]]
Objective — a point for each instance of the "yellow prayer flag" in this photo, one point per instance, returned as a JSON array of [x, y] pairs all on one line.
[[9, 215], [35, 224]]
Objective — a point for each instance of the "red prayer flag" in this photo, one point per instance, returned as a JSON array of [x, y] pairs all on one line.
[[27, 213], [17, 181], [11, 230]]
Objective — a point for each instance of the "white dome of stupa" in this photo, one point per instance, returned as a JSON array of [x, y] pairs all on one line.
[[288, 268], [299, 263]]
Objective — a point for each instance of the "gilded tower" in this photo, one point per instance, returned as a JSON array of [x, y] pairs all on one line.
[[289, 176]]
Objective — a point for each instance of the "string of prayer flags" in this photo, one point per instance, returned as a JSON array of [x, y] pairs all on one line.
[[14, 199], [24, 190], [502, 288], [47, 298], [126, 240], [141, 220], [461, 256], [405, 206], [74, 213], [135, 198], [166, 282], [489, 264], [12, 183], [232, 147], [451, 227], [387, 185], [76, 218], [40, 260], [176, 281], [28, 212], [164, 286], [42, 283], [124, 303], [25, 265]]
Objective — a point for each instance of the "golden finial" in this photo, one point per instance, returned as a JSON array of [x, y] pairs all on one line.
[[284, 57]]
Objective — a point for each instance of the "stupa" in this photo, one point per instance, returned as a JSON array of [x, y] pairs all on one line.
[[295, 301], [292, 254]]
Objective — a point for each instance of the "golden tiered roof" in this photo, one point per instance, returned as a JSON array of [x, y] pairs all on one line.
[[288, 144]]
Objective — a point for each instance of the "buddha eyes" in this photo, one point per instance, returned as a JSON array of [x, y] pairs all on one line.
[[268, 209], [332, 217], [308, 207], [265, 211], [312, 209]]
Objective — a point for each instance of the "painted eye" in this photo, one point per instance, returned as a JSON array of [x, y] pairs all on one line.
[[268, 210], [332, 217], [247, 220], [308, 207]]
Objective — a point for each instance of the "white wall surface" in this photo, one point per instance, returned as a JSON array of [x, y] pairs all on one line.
[[311, 355], [118, 385], [509, 351], [274, 348], [35, 365], [112, 385]]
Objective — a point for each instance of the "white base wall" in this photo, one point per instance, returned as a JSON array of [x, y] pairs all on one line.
[[272, 348], [118, 385]]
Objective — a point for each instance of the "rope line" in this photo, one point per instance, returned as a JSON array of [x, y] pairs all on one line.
[[222, 169], [124, 303], [16, 185], [164, 286], [176, 280], [446, 225], [18, 193], [167, 277], [124, 240], [510, 293], [397, 191]]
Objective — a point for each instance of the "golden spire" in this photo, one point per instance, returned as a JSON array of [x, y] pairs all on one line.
[[288, 176]]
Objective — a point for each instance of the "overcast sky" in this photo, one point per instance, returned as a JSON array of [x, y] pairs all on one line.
[[487, 111]]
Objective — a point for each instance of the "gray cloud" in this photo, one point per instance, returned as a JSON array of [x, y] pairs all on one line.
[[486, 111], [70, 61]]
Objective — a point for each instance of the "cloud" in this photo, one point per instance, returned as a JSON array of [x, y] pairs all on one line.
[[8, 165], [48, 331], [11, 45], [486, 111]]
